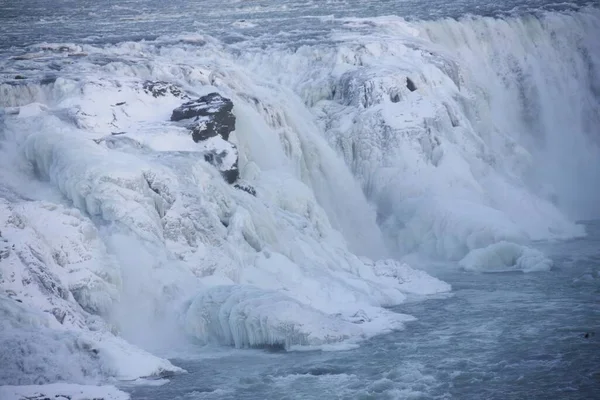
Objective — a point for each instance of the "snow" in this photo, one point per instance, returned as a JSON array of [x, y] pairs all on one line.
[[447, 168], [57, 279], [120, 241], [62, 391]]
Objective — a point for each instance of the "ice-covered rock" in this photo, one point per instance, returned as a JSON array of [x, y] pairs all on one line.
[[505, 256], [223, 155], [174, 228], [211, 121], [56, 282], [245, 316], [410, 280], [35, 349], [161, 88], [209, 116]]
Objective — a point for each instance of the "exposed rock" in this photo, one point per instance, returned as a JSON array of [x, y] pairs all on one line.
[[204, 130], [211, 120], [212, 115], [4, 249], [246, 188], [160, 88], [410, 84], [226, 161], [232, 174], [48, 80]]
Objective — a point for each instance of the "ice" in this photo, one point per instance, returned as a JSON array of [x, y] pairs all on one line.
[[147, 226], [36, 350], [505, 256], [56, 280], [411, 280], [419, 117], [245, 316], [389, 138], [62, 391]]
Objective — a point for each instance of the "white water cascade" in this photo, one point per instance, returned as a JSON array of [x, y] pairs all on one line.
[[482, 149], [454, 140]]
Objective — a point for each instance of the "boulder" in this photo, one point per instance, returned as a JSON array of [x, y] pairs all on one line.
[[211, 120], [410, 84], [210, 115]]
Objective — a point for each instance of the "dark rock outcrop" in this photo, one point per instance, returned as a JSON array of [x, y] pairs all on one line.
[[226, 161], [410, 84], [211, 117], [4, 248], [246, 188], [232, 174]]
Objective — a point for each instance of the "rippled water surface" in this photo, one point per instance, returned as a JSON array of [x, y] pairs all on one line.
[[499, 336], [32, 21]]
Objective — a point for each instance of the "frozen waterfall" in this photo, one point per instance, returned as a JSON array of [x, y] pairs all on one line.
[[387, 141]]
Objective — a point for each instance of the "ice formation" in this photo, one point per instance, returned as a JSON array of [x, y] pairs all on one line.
[[505, 256], [114, 221], [459, 142], [117, 233]]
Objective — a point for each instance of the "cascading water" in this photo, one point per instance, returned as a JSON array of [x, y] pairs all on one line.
[[357, 135], [462, 132], [537, 78]]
